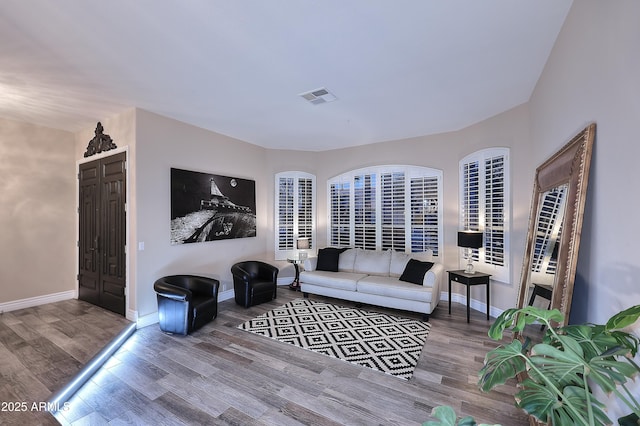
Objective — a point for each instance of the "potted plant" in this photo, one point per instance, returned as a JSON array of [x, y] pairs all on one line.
[[558, 375]]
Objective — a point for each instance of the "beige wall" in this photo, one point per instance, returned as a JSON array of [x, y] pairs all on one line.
[[593, 75], [37, 211], [155, 144], [163, 143], [444, 151]]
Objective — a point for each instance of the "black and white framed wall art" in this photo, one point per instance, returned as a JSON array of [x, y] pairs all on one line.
[[209, 207]]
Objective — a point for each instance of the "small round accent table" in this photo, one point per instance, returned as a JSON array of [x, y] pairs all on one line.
[[295, 285]]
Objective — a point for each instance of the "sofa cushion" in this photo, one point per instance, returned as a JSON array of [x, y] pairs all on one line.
[[391, 287], [425, 256], [398, 263], [373, 262], [328, 259], [414, 271], [337, 280], [347, 259], [310, 263]]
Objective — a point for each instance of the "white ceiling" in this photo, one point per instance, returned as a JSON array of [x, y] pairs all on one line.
[[399, 68]]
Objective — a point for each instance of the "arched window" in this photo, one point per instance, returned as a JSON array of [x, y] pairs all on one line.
[[393, 207]]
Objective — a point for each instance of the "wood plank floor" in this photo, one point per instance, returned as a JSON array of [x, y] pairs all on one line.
[[221, 375], [42, 348]]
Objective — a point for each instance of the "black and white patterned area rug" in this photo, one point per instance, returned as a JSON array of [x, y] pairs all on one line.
[[382, 342]]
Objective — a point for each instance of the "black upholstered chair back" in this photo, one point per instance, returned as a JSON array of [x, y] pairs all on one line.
[[186, 302], [254, 282]]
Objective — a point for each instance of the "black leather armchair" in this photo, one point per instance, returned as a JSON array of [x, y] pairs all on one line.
[[254, 282], [186, 302]]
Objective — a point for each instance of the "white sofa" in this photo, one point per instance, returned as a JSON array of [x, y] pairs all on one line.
[[374, 277]]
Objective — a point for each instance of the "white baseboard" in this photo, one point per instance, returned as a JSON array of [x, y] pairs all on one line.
[[475, 304], [284, 281], [37, 301], [144, 321], [226, 295]]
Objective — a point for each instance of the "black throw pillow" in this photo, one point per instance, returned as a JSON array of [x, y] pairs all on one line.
[[328, 259], [414, 271]]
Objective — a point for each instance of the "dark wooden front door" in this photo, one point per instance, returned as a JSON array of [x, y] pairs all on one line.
[[102, 223]]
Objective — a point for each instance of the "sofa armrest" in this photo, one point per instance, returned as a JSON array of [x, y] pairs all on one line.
[[434, 279], [310, 263]]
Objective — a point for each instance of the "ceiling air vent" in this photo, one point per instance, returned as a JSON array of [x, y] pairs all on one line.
[[319, 96]]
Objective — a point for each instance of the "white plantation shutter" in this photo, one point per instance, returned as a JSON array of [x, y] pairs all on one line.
[[548, 233], [306, 211], [470, 199], [284, 204], [393, 211], [386, 207], [364, 214], [295, 211], [494, 212], [484, 206], [425, 232], [340, 214]]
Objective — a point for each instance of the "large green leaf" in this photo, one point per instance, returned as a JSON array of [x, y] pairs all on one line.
[[517, 319], [555, 366], [608, 374], [561, 368], [500, 365], [567, 409], [445, 414], [542, 350], [624, 319], [596, 340], [629, 341], [447, 417], [504, 321], [577, 397], [569, 344], [536, 399]]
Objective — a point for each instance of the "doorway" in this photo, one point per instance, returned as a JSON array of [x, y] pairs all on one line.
[[102, 232]]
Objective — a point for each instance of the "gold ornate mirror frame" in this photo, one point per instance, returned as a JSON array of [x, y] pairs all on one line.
[[565, 173]]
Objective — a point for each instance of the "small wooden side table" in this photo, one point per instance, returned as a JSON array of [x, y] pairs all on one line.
[[477, 278]]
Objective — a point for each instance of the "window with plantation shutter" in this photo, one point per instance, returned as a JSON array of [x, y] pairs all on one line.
[[425, 223], [484, 206], [393, 211], [494, 210], [364, 211], [547, 237], [340, 214], [305, 208], [386, 207], [295, 211]]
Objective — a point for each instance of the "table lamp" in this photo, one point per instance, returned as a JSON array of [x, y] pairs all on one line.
[[469, 240], [302, 244]]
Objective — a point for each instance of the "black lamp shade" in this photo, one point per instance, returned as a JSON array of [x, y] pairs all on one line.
[[470, 239]]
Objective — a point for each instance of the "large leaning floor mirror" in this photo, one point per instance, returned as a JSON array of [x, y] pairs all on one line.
[[553, 241]]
